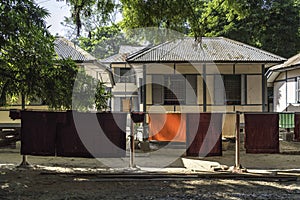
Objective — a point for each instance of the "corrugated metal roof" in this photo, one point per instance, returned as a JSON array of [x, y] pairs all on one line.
[[66, 49], [291, 62], [124, 52], [215, 49]]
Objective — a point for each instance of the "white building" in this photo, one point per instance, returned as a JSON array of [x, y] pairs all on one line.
[[127, 80], [284, 81]]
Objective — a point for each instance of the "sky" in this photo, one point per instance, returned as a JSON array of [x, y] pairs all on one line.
[[58, 10]]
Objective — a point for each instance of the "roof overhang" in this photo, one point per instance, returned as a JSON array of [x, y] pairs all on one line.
[[266, 63], [99, 67], [272, 74]]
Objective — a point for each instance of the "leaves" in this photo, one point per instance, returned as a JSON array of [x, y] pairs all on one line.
[[104, 41], [26, 48], [89, 12], [272, 25], [102, 96]]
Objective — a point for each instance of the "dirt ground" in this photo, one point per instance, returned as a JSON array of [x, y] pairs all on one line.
[[78, 178], [32, 184]]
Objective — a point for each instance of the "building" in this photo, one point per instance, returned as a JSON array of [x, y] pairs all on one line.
[[214, 74], [68, 50], [284, 85], [126, 93]]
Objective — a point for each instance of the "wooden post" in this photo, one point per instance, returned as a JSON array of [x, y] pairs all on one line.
[[237, 167], [237, 142], [263, 88], [145, 135], [204, 88], [131, 154], [24, 162]]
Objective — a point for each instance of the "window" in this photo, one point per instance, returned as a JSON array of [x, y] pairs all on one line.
[[233, 88], [174, 89], [298, 90], [124, 75]]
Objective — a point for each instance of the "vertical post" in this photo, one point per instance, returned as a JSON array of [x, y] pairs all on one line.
[[263, 88], [131, 154], [286, 89], [237, 142], [144, 100], [237, 167], [131, 164], [24, 162], [204, 88]]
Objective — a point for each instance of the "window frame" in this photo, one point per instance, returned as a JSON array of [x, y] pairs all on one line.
[[129, 73], [161, 95], [228, 99]]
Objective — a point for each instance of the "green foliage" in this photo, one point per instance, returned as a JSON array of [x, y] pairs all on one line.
[[26, 48], [59, 83], [272, 25], [102, 96], [180, 16], [89, 12], [104, 41], [28, 64], [88, 93]]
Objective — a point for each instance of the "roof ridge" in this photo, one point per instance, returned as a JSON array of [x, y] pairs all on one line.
[[147, 50]]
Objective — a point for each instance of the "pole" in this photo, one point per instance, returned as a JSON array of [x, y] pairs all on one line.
[[131, 154], [237, 142], [131, 164], [24, 162]]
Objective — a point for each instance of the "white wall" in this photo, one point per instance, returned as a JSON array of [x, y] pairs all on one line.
[[284, 94], [285, 91], [279, 96]]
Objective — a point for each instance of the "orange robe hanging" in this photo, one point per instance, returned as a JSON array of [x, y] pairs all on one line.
[[167, 127]]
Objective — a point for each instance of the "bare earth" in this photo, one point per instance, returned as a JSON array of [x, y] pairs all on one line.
[[77, 178]]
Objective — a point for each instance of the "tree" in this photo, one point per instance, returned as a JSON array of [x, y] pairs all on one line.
[[28, 64], [26, 48], [90, 13], [262, 24], [59, 83], [89, 93], [101, 97], [180, 16], [104, 41]]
